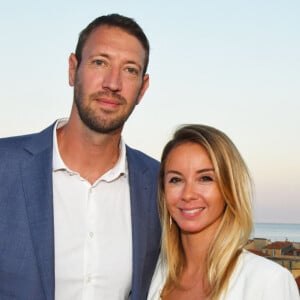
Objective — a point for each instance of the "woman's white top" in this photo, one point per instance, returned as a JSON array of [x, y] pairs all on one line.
[[254, 278]]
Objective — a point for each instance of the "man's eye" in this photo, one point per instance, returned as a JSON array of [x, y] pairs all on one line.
[[98, 62], [132, 71]]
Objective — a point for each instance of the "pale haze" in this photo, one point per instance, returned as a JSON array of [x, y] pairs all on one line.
[[234, 65]]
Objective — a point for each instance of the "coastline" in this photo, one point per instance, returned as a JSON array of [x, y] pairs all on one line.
[[276, 231]]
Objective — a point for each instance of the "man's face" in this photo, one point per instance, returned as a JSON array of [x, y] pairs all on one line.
[[109, 81]]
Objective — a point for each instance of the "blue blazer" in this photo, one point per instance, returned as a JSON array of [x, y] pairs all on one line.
[[26, 218]]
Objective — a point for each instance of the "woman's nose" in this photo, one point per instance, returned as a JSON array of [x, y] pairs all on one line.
[[189, 192]]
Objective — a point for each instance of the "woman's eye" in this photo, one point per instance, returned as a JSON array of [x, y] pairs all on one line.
[[206, 178], [174, 180]]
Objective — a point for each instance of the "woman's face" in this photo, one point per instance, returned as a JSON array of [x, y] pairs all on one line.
[[192, 193]]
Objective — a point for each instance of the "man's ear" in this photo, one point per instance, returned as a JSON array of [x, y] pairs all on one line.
[[72, 68], [143, 89]]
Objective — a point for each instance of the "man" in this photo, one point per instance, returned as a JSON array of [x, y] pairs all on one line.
[[78, 211]]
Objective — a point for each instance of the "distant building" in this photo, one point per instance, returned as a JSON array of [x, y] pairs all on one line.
[[278, 248], [257, 244], [284, 253], [258, 252]]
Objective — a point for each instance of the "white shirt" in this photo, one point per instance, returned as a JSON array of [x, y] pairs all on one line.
[[92, 232], [254, 278]]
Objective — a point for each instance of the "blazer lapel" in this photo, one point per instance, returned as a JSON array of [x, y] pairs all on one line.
[[145, 224], [37, 181], [139, 207]]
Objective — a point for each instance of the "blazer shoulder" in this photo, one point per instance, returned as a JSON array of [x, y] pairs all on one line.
[[14, 146], [259, 268], [256, 277], [141, 159], [250, 263]]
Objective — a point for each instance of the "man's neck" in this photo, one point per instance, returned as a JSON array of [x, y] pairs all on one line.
[[88, 153]]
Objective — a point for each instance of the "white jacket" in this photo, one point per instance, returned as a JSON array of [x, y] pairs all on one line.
[[254, 278]]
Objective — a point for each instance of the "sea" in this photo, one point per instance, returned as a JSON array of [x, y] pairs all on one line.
[[277, 232]]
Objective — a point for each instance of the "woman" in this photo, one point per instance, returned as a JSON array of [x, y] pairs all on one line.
[[205, 207]]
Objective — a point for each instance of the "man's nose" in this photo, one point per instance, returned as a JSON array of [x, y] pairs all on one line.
[[112, 80]]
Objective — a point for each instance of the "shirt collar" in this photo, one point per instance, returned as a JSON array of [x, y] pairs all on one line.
[[120, 168], [58, 163]]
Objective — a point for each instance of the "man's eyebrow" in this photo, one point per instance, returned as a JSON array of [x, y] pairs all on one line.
[[105, 55], [99, 54]]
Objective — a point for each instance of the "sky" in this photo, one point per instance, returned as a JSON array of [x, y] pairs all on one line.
[[234, 65]]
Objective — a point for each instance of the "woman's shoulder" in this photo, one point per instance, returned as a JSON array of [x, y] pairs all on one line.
[[158, 279], [253, 262], [256, 277]]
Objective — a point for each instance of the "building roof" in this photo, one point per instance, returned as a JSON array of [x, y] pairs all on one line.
[[257, 252], [278, 245]]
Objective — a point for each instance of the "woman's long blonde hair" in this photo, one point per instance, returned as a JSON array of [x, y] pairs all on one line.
[[235, 184]]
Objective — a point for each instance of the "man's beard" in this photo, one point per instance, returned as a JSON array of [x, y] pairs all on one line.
[[97, 123]]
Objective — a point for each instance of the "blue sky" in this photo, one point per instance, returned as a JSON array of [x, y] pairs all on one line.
[[231, 64]]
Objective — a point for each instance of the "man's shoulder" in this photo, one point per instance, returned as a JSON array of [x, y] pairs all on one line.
[[16, 144], [140, 158]]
